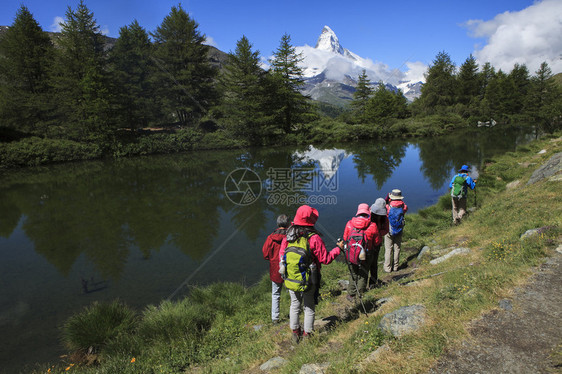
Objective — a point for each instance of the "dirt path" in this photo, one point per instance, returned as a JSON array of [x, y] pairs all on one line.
[[524, 335]]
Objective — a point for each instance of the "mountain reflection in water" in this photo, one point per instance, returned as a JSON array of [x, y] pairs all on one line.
[[143, 229]]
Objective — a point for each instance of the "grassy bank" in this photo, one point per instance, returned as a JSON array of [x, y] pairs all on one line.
[[225, 327], [25, 150]]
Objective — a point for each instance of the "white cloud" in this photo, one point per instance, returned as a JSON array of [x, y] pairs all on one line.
[[416, 72], [104, 30], [210, 41], [56, 27], [530, 36]]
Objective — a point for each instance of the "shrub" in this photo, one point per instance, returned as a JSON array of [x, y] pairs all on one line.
[[97, 325], [36, 151], [175, 320]]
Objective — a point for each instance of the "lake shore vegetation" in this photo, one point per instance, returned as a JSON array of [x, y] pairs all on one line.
[[225, 327], [79, 95]]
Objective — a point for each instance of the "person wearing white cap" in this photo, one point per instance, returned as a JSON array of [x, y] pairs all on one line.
[[393, 239]]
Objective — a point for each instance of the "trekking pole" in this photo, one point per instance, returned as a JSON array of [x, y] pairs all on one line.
[[353, 278]]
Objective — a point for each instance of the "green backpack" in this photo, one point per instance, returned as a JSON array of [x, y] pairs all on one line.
[[297, 260], [458, 186]]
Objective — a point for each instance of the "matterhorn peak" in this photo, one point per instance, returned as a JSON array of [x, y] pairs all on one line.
[[328, 41]]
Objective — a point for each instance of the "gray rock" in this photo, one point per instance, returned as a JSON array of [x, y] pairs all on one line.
[[555, 178], [542, 152], [315, 368], [404, 320], [530, 233], [506, 304], [322, 324], [552, 167], [344, 284], [274, 363], [423, 251], [376, 354], [257, 327], [559, 249], [454, 252], [512, 185]]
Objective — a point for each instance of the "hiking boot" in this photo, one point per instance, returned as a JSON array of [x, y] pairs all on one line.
[[306, 335], [296, 336]]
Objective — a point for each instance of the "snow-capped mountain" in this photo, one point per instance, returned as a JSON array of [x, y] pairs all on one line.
[[331, 71]]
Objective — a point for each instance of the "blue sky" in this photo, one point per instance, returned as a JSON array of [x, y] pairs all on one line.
[[499, 31]]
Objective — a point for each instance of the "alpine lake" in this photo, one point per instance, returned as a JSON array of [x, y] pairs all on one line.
[[147, 229]]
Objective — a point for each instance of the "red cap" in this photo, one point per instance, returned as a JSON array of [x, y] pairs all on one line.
[[305, 216]]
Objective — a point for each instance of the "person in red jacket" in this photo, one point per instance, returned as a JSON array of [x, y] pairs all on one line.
[[378, 216], [270, 251], [361, 223], [303, 225]]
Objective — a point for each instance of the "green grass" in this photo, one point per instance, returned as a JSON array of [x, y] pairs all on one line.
[[212, 330]]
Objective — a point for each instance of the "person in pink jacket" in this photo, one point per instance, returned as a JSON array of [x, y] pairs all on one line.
[[361, 225], [270, 252], [303, 225], [395, 211]]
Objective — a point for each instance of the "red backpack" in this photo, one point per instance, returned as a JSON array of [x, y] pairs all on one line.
[[356, 243]]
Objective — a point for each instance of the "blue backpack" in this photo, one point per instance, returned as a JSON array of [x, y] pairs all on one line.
[[396, 220]]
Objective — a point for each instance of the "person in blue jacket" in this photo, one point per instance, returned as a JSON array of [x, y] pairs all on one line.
[[459, 188]]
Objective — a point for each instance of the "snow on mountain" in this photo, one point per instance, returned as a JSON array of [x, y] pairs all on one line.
[[331, 71], [327, 160]]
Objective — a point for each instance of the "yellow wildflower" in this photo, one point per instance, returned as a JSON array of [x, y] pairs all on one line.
[[133, 359]]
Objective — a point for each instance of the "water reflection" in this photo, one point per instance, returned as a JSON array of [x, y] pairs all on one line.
[[137, 228], [103, 209]]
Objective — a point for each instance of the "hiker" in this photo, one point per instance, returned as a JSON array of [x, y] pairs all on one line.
[[395, 211], [459, 191], [302, 251], [270, 251], [361, 236], [379, 218]]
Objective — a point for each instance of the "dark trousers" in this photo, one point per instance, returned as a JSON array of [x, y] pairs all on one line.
[[374, 265]]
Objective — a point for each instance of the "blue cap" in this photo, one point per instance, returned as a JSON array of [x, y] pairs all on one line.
[[464, 168]]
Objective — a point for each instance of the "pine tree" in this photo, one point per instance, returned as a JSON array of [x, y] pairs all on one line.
[[131, 70], [287, 77], [521, 82], [361, 96], [25, 58], [80, 76], [184, 77], [439, 90], [243, 93], [468, 82], [381, 105], [544, 105]]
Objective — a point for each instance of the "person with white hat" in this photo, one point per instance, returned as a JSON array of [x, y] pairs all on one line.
[[395, 210]]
